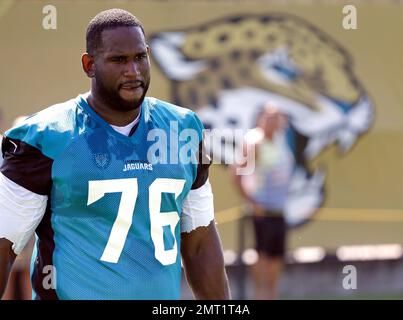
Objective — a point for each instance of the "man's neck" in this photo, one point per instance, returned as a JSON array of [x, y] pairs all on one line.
[[110, 115]]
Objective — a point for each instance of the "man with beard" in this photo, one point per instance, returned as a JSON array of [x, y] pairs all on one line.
[[112, 214]]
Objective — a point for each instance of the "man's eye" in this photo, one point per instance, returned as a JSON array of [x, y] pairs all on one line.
[[142, 56], [118, 59]]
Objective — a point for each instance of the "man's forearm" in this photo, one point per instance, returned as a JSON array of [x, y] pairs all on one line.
[[207, 278], [7, 258], [204, 264]]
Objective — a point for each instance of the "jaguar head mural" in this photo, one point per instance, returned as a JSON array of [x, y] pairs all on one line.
[[227, 69]]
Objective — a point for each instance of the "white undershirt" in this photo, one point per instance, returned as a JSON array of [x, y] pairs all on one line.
[[126, 129]]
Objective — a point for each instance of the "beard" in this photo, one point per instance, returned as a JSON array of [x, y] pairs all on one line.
[[113, 99]]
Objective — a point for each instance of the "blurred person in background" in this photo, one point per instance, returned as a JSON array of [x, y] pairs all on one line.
[[265, 191]]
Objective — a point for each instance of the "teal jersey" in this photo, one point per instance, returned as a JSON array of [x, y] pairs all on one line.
[[112, 226]]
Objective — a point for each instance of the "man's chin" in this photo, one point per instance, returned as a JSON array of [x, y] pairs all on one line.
[[131, 97], [130, 104]]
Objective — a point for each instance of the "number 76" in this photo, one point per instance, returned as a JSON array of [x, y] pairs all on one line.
[[120, 229]]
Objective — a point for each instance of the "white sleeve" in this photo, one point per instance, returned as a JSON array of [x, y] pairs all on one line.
[[20, 213], [197, 208]]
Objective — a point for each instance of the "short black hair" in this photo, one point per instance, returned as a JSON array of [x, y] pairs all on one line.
[[108, 19]]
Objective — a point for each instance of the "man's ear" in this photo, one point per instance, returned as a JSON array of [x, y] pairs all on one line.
[[87, 62]]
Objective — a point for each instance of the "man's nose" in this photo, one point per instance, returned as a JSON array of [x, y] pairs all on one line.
[[132, 69]]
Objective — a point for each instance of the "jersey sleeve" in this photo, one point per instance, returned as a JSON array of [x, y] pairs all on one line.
[[198, 206], [25, 184], [203, 159], [24, 162], [21, 211]]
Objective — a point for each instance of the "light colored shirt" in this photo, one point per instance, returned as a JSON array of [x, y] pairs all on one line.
[[269, 184]]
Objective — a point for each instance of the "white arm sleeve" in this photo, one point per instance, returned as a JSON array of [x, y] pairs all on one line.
[[20, 213], [198, 208]]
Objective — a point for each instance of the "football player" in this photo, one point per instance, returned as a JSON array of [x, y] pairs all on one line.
[[96, 178]]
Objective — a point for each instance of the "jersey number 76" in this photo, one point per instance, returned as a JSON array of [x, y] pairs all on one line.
[[120, 229]]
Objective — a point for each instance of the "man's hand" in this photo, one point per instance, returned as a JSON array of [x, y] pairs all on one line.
[[204, 263], [7, 257]]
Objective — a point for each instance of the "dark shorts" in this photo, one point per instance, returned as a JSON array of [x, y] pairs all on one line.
[[270, 235]]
